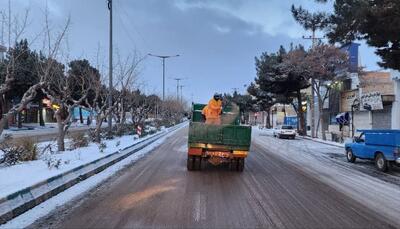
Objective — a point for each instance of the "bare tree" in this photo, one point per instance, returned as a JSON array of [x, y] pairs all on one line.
[[60, 92], [45, 69], [16, 27], [328, 65], [127, 71]]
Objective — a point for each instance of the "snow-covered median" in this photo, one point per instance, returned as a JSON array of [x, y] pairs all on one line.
[[48, 206], [23, 175]]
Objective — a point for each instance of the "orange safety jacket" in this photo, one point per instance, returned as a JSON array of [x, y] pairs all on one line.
[[213, 109]]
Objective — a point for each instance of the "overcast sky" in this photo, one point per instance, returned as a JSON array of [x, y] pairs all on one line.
[[217, 39]]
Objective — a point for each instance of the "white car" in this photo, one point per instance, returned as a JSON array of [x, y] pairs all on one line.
[[285, 132]]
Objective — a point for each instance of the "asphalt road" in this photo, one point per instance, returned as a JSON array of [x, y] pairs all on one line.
[[158, 192]]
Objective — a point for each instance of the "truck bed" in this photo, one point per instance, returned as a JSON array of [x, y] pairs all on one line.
[[233, 137], [382, 137]]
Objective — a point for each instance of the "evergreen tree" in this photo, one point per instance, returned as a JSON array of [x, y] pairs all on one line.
[[376, 21]]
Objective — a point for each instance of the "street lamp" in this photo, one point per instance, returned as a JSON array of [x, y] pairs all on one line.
[[163, 61]]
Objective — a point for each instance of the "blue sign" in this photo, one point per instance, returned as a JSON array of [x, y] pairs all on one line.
[[85, 113], [290, 121], [352, 50], [343, 118]]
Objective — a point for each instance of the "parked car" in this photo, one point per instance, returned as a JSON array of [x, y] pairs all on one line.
[[285, 131], [382, 146]]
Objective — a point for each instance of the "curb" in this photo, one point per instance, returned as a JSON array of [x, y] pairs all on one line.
[[21, 201], [323, 142]]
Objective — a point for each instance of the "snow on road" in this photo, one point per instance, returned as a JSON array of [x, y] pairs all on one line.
[[361, 181]]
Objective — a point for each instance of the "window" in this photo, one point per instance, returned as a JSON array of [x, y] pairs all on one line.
[[287, 127]]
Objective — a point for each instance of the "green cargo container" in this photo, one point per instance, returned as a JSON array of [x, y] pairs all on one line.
[[225, 143]]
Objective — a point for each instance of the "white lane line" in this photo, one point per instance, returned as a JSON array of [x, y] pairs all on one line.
[[199, 212], [197, 205], [202, 207]]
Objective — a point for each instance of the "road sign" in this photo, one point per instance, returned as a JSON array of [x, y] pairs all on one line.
[[343, 118], [139, 130], [290, 121], [373, 99]]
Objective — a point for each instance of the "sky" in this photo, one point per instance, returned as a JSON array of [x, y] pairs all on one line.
[[217, 40]]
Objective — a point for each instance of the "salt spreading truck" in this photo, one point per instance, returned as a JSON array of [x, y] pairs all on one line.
[[227, 142]]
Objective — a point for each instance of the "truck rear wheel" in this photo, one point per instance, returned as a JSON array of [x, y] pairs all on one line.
[[233, 164], [237, 164], [350, 156], [240, 165], [197, 162], [190, 163], [381, 163]]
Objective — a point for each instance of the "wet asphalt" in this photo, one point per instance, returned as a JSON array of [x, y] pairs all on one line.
[[158, 192]]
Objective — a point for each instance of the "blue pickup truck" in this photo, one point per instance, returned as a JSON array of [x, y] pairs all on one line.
[[382, 146]]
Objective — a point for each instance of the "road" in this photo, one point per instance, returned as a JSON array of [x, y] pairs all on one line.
[[158, 192], [47, 134]]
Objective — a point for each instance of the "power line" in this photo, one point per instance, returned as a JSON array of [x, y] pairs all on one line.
[[124, 28], [133, 25]]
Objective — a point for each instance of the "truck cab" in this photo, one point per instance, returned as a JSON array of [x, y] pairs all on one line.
[[382, 146]]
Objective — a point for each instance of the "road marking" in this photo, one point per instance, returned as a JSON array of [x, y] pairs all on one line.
[[199, 207]]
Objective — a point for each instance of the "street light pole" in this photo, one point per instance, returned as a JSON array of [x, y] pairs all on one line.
[[177, 87], [163, 78], [110, 84], [163, 61]]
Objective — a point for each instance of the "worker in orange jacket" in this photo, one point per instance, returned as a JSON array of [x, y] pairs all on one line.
[[213, 110]]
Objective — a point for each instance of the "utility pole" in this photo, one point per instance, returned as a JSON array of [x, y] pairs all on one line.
[[9, 24], [3, 49], [177, 87], [181, 86], [110, 84], [163, 62], [2, 27], [312, 99]]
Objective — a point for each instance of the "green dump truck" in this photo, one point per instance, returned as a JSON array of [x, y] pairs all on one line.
[[217, 144]]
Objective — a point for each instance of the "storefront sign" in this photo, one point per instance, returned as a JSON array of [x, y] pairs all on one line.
[[347, 100], [373, 99]]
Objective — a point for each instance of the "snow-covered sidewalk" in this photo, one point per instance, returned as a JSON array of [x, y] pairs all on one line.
[[23, 175], [270, 132], [324, 141]]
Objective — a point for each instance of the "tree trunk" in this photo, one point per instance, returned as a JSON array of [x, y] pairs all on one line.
[[321, 120], [19, 119], [7, 117], [97, 131], [80, 115], [268, 124], [61, 132], [300, 114], [41, 120]]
